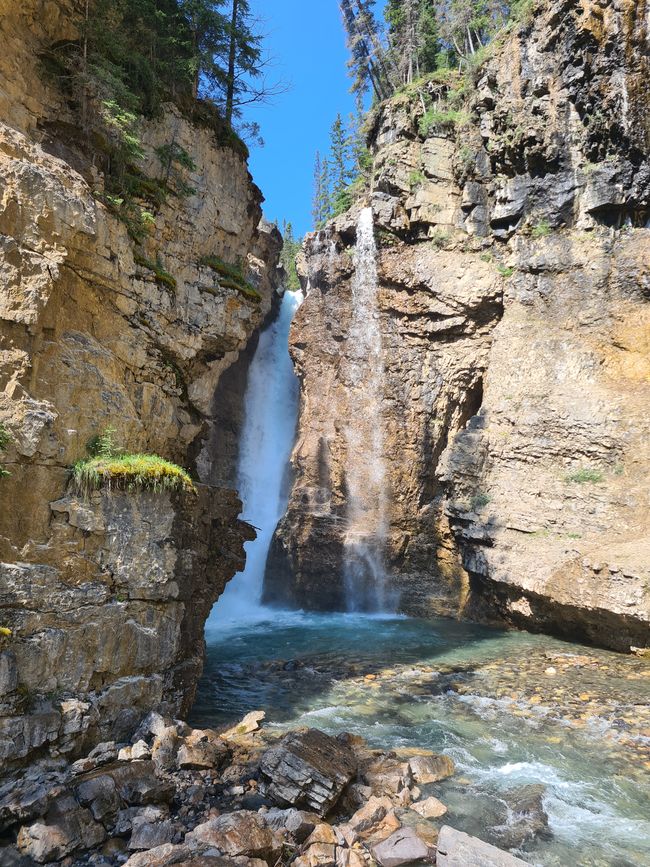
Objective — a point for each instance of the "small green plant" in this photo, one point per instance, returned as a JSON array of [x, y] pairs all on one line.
[[231, 277], [505, 270], [110, 466], [162, 276], [479, 501], [541, 230], [435, 118], [486, 257], [5, 439], [416, 179], [584, 475], [440, 239]]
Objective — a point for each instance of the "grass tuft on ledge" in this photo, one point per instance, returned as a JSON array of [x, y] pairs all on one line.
[[109, 466], [231, 277], [131, 472]]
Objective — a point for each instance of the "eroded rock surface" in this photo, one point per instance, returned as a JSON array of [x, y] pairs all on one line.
[[106, 596], [513, 302]]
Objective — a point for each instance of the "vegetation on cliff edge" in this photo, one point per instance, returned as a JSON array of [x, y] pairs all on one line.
[[109, 466]]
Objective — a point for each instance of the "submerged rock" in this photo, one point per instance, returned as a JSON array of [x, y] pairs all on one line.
[[307, 769]]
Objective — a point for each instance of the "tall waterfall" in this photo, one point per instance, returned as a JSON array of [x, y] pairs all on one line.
[[270, 414], [365, 471]]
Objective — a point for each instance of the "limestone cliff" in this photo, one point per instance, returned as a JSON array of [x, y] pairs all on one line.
[[514, 305], [106, 598]]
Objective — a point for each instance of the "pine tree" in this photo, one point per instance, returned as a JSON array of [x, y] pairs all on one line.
[[317, 192], [325, 200], [339, 157], [290, 249]]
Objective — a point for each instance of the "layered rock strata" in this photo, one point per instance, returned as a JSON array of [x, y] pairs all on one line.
[[106, 597], [514, 306]]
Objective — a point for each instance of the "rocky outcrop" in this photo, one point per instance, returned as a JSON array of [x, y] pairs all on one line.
[[513, 302], [106, 597]]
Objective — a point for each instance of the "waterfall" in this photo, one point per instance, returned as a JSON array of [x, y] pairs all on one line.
[[270, 414], [365, 471]]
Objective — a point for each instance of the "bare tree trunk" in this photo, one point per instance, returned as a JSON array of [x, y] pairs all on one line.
[[232, 56]]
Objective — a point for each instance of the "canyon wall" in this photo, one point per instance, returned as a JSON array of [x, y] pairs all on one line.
[[514, 301], [104, 598]]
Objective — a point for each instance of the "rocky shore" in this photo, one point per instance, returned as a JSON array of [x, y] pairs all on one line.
[[245, 796]]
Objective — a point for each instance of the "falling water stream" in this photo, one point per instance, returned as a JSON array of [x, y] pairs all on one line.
[[270, 412], [365, 469], [527, 718]]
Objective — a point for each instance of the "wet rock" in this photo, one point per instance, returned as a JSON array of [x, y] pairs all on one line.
[[240, 833], [307, 769], [430, 808], [375, 821], [431, 769], [526, 818], [402, 847], [456, 849], [202, 749]]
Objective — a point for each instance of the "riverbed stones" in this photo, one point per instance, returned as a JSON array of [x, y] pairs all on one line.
[[431, 769], [457, 849], [403, 847], [307, 769]]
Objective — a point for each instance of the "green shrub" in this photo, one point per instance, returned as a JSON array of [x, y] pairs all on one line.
[[441, 119], [416, 179], [231, 277], [583, 475], [505, 270], [479, 501], [440, 239], [541, 230], [109, 466]]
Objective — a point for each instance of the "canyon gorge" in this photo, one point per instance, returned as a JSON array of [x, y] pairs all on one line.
[[441, 439]]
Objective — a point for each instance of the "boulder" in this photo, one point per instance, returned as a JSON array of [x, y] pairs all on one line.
[[430, 808], [402, 847], [202, 750], [66, 828], [307, 769], [241, 833], [149, 835], [526, 817], [298, 823], [250, 723], [161, 856], [387, 775], [431, 769], [457, 849], [375, 821]]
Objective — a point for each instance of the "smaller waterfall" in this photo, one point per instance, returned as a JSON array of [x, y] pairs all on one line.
[[270, 414], [365, 472]]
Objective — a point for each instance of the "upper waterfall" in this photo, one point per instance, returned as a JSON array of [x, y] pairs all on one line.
[[270, 413], [365, 471]]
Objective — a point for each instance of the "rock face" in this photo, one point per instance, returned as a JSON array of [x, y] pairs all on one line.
[[106, 596], [514, 309]]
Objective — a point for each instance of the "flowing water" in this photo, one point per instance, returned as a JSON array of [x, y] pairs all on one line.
[[365, 472], [513, 709], [270, 413]]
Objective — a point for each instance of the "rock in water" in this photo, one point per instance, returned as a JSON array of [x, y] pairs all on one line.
[[456, 849], [307, 769], [431, 769], [402, 847]]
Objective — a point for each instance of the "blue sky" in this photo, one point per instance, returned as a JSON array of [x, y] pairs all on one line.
[[306, 38]]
